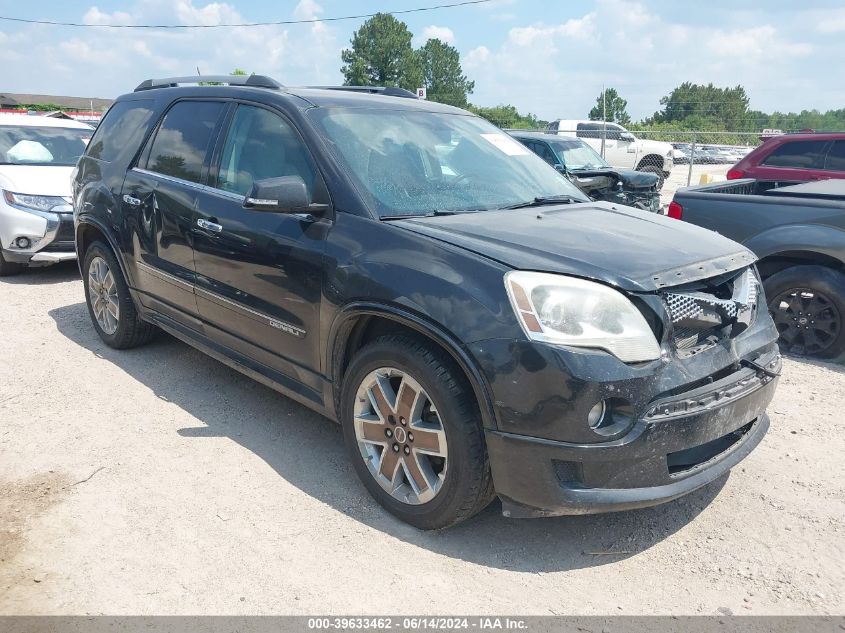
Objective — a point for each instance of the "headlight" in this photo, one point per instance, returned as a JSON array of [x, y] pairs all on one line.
[[570, 311], [47, 204]]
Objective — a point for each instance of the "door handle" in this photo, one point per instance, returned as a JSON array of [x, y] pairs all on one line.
[[209, 226], [132, 202]]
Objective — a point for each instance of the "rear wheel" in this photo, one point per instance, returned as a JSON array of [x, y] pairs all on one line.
[[807, 304], [413, 432], [109, 304], [7, 269]]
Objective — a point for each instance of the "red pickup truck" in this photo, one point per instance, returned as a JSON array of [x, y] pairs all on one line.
[[795, 158]]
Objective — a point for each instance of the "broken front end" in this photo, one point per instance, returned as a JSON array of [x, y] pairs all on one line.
[[631, 188]]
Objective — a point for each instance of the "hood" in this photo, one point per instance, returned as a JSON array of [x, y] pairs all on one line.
[[656, 147], [628, 177], [38, 180], [624, 247]]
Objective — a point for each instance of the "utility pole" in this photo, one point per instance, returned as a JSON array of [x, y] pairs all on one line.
[[603, 120]]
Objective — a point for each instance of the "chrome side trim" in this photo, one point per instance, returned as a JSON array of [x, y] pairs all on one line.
[[155, 272], [192, 185], [285, 327]]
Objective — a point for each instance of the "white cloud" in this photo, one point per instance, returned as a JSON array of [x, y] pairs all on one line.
[[442, 33], [95, 16], [476, 57], [556, 69], [756, 42], [116, 60], [307, 10], [581, 29], [831, 22]]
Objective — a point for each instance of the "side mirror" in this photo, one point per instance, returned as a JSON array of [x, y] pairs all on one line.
[[286, 194], [627, 137], [560, 168]]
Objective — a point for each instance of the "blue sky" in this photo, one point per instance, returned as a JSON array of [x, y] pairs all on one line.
[[549, 57]]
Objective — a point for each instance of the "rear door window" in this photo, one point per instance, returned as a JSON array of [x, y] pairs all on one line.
[[122, 129], [836, 157], [184, 139], [797, 155]]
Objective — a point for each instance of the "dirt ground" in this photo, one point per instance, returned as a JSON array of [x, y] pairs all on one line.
[[158, 481]]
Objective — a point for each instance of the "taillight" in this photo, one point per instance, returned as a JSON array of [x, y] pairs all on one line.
[[675, 210], [734, 173]]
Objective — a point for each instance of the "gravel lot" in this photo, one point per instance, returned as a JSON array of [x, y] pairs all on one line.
[[679, 174], [158, 481]]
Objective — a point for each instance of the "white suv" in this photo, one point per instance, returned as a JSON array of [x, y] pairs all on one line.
[[621, 148], [37, 156]]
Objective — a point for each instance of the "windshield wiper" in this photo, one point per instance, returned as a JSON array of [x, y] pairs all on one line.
[[540, 201], [431, 214]]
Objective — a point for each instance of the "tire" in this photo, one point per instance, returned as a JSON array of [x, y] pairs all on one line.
[[456, 472], [807, 304], [107, 294], [7, 269], [657, 171]]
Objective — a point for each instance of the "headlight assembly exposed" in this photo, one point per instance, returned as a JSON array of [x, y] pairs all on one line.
[[45, 204], [579, 313]]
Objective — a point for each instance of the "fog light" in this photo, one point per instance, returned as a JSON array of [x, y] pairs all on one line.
[[596, 414], [22, 242]]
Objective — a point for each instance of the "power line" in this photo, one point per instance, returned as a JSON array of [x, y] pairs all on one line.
[[216, 26]]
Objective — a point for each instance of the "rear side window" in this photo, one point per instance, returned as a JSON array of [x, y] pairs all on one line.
[[587, 130], [183, 139], [797, 154], [836, 157], [121, 129]]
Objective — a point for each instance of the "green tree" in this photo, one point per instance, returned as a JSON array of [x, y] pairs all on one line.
[[727, 108], [443, 76], [613, 108], [508, 117], [382, 55]]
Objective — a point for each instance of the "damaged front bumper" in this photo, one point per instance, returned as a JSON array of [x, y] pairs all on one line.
[[680, 425], [50, 236]]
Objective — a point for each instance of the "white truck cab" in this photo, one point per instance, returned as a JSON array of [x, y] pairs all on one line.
[[621, 148], [37, 156]]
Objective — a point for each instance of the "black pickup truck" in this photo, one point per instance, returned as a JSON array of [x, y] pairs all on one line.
[[798, 232]]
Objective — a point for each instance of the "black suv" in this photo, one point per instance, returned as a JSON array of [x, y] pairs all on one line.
[[476, 325]]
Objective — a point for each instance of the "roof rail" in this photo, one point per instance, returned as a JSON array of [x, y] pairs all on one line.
[[388, 91], [258, 81]]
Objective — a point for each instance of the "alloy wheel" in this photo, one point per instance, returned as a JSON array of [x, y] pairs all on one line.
[[807, 320], [400, 436], [102, 293]]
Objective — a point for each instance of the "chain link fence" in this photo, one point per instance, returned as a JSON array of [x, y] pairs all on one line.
[[697, 156]]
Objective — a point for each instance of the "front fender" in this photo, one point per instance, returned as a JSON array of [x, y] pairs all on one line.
[[799, 237], [343, 324]]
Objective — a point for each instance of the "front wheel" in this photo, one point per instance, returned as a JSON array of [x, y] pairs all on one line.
[[413, 431], [807, 304], [111, 308]]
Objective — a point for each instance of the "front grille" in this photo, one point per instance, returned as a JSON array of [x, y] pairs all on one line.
[[706, 313], [682, 462]]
